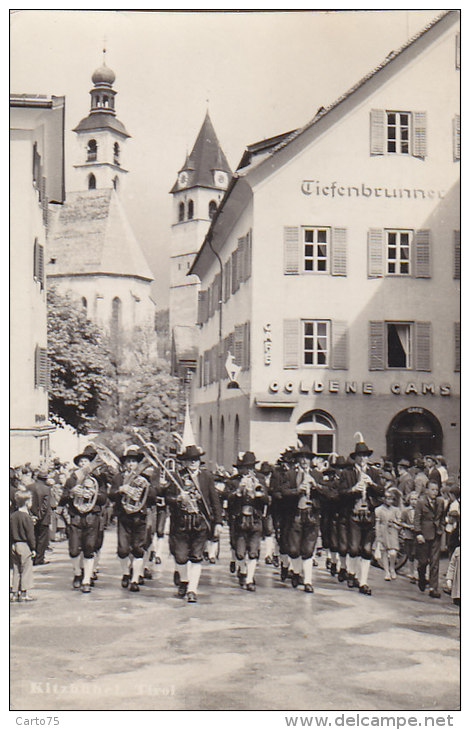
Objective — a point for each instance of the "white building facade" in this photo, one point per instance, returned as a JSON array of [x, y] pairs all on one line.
[[36, 179], [340, 248]]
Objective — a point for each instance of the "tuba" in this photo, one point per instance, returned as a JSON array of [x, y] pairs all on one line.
[[135, 490], [87, 487]]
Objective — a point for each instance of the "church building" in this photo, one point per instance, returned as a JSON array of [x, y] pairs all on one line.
[[197, 193], [92, 250]]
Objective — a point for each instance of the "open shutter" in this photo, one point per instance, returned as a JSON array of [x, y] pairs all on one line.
[[419, 134], [456, 254], [41, 265], [375, 252], [456, 137], [246, 346], [235, 282], [339, 345], [457, 346], [422, 254], [41, 368], [376, 345], [422, 343], [205, 306], [291, 250], [291, 343], [248, 249], [238, 344], [199, 307], [377, 131], [339, 252], [227, 280], [241, 259], [217, 291]]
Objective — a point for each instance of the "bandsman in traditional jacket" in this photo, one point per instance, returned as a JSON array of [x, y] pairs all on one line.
[[133, 495], [196, 513], [247, 501], [84, 495], [302, 489], [279, 510], [363, 485]]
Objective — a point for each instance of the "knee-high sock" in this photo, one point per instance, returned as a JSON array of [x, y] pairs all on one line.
[[146, 559], [284, 560], [125, 567], [307, 567], [194, 573], [365, 565], [353, 565], [183, 571], [334, 557], [137, 569], [87, 569], [76, 565], [296, 565], [96, 560], [241, 566], [385, 563], [159, 546], [213, 549], [250, 570], [343, 561], [269, 546]]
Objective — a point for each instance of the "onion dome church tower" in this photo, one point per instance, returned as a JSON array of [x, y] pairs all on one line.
[[197, 192], [92, 250]]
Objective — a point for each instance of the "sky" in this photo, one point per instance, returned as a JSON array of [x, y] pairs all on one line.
[[258, 73]]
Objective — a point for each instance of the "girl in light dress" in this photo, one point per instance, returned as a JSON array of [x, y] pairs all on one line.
[[387, 528]]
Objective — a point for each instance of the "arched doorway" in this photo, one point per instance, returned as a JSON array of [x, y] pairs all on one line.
[[414, 430], [317, 430]]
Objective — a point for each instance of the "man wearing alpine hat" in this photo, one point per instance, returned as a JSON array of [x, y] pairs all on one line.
[[302, 491], [365, 489], [133, 495], [196, 514], [84, 494], [247, 500]]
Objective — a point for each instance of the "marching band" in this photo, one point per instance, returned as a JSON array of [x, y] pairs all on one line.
[[287, 507]]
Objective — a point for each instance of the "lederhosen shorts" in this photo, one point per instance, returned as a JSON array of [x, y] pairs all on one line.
[[302, 533], [83, 533], [188, 534], [132, 535], [248, 529]]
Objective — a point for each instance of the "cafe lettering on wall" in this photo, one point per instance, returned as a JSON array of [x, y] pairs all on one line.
[[352, 386], [334, 189]]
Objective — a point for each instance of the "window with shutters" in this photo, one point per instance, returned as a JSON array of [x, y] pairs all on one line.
[[400, 345], [315, 342], [316, 245], [398, 132], [398, 252], [227, 280], [235, 279]]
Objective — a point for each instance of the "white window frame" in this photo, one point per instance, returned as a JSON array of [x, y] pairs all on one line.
[[398, 260], [320, 424], [315, 337], [399, 127], [409, 351], [314, 257]]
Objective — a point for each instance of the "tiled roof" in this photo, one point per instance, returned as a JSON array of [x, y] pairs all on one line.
[[101, 120], [206, 156], [90, 234]]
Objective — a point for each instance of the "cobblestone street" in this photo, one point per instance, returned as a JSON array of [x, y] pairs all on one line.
[[276, 649]]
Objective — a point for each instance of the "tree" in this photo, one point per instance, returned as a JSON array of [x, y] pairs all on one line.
[[82, 378]]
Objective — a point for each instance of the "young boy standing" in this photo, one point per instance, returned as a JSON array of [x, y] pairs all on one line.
[[23, 543], [429, 525]]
